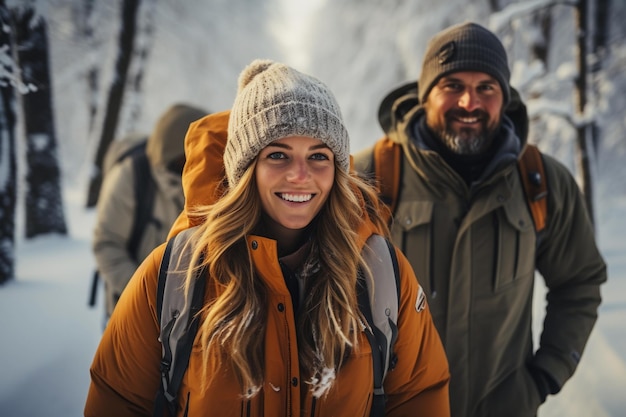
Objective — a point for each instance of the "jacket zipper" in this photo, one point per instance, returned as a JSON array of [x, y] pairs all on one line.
[[431, 261], [186, 413], [496, 249], [517, 250], [245, 408]]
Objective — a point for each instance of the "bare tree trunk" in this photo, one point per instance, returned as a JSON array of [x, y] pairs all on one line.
[[601, 26], [543, 20], [44, 202], [583, 129], [85, 23], [600, 35], [131, 111], [8, 165], [116, 94]]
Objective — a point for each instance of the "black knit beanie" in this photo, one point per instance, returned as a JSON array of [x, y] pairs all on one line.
[[464, 47]]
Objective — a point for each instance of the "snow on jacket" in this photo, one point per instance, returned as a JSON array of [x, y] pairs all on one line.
[[116, 204], [418, 386], [474, 249]]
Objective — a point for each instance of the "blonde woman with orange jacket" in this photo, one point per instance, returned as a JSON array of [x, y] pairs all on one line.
[[280, 333]]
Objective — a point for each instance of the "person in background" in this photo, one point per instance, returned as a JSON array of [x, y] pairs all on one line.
[[280, 333], [463, 222], [116, 257]]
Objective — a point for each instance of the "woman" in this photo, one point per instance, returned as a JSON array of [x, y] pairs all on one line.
[[280, 333]]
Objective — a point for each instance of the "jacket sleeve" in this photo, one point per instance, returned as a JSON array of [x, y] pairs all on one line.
[[116, 208], [573, 270], [418, 385], [125, 372]]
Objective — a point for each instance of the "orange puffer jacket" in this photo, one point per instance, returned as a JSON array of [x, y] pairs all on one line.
[[125, 371]]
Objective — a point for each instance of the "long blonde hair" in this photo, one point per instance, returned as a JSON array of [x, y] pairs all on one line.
[[329, 320]]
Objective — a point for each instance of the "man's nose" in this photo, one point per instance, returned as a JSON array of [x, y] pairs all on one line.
[[469, 100]]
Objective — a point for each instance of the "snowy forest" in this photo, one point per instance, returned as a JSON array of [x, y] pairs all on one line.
[[76, 75], [79, 74]]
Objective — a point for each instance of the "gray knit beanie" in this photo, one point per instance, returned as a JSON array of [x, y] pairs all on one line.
[[464, 47], [276, 101]]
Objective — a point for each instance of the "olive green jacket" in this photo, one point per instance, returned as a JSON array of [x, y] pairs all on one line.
[[475, 251]]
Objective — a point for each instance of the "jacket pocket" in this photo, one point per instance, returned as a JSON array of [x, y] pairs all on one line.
[[352, 389], [515, 242], [412, 232], [515, 396]]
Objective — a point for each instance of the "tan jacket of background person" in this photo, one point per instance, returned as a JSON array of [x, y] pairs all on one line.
[[116, 204]]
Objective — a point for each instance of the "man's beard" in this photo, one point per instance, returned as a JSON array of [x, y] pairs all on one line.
[[466, 140]]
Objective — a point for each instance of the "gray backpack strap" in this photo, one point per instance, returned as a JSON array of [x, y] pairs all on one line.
[[380, 256], [176, 316], [379, 299]]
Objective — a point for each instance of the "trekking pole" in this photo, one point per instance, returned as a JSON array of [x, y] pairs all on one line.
[[94, 289]]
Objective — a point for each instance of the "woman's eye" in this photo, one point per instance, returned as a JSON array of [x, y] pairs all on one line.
[[320, 156], [276, 155]]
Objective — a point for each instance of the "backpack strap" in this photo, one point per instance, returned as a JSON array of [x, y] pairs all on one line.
[[535, 185], [388, 171], [379, 299], [178, 320], [145, 190]]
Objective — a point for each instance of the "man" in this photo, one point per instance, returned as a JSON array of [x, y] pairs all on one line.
[[463, 222], [165, 153]]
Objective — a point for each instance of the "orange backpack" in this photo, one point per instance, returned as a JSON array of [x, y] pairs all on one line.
[[387, 169]]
